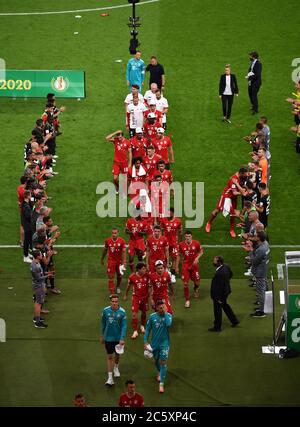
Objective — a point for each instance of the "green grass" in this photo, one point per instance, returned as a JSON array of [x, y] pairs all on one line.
[[193, 40]]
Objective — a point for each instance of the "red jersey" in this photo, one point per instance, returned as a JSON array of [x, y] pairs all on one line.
[[140, 285], [189, 251], [138, 146], [20, 192], [160, 196], [157, 248], [136, 228], [150, 165], [166, 176], [115, 249], [121, 150], [137, 401], [231, 186], [151, 130], [159, 114], [171, 228], [160, 284], [162, 147]]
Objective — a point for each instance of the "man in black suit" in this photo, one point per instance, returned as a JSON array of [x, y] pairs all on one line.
[[227, 89], [254, 80], [219, 292]]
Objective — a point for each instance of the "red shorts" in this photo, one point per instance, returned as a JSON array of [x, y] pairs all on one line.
[[119, 168], [173, 251], [223, 203], [152, 265], [165, 299], [113, 267], [139, 304], [190, 272], [136, 246]]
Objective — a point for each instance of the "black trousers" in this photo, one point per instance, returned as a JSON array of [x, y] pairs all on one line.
[[218, 313], [227, 101], [253, 91], [27, 242]]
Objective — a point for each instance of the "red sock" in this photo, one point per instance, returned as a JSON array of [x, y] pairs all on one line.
[[232, 221], [119, 278], [143, 318], [186, 292], [134, 324], [111, 286]]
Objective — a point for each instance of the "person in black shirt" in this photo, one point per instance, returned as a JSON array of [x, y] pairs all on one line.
[[26, 210], [263, 203], [157, 73]]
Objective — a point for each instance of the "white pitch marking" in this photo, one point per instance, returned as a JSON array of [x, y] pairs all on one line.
[[280, 271], [58, 12]]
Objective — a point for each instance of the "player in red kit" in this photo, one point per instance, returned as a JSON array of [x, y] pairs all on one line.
[[150, 127], [163, 147], [150, 162], [190, 251], [157, 249], [138, 144], [136, 228], [166, 175], [228, 201], [140, 296], [152, 109], [122, 155], [159, 285], [172, 230], [115, 247], [131, 399]]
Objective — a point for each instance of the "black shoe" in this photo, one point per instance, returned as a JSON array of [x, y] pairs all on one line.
[[254, 112], [214, 330], [235, 324], [34, 319], [40, 325], [258, 313]]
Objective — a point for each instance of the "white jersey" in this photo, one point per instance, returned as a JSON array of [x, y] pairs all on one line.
[[136, 115], [149, 96], [160, 105], [129, 98]]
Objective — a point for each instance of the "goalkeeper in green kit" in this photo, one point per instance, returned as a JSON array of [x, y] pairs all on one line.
[[159, 322]]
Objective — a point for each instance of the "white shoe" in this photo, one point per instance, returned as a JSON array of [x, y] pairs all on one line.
[[116, 372], [109, 382], [187, 304], [55, 157], [142, 329], [27, 259], [135, 335], [117, 192], [161, 388], [55, 173], [248, 274], [118, 290]]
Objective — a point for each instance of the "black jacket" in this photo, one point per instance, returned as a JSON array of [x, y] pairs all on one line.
[[220, 285], [233, 84], [257, 69], [26, 215]]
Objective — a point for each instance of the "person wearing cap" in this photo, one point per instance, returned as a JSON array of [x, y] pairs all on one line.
[[113, 333], [135, 71], [157, 249], [138, 144], [133, 94], [139, 282], [150, 94], [152, 109], [115, 247], [131, 399], [190, 251], [150, 127], [254, 80], [160, 282], [135, 116], [157, 73], [159, 324], [164, 147], [162, 105]]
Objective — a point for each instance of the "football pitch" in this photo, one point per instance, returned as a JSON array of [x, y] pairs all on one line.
[[193, 40]]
